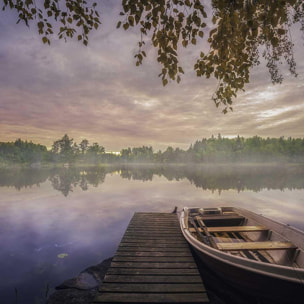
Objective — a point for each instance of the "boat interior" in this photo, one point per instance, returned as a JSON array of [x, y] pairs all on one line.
[[245, 235]]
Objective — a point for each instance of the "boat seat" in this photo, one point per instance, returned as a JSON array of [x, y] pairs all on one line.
[[255, 246], [211, 217], [233, 229], [237, 229]]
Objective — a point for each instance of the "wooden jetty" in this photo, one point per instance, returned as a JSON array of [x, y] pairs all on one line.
[[153, 264]]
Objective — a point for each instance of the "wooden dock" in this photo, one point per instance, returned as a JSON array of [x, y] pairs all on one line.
[[153, 264]]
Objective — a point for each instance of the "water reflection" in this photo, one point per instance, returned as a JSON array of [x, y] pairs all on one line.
[[83, 212], [214, 178]]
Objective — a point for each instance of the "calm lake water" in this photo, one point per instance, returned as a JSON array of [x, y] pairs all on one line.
[[54, 223]]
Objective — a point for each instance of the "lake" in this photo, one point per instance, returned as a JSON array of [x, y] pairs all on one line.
[[56, 222]]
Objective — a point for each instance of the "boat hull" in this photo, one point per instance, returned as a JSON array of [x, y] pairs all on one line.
[[251, 283], [277, 283]]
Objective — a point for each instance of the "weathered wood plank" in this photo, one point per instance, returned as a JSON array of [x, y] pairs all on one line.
[[155, 253], [152, 288], [153, 265], [149, 271], [153, 237], [154, 240], [154, 231], [151, 279], [153, 244], [152, 298], [256, 246], [159, 259], [163, 230], [144, 248], [221, 217], [234, 229], [146, 226]]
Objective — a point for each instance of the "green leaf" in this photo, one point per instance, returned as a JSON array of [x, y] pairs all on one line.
[[165, 82]]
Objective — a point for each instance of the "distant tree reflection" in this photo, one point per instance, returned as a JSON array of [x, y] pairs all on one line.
[[207, 177]]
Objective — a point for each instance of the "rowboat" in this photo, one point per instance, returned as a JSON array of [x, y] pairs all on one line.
[[253, 253]]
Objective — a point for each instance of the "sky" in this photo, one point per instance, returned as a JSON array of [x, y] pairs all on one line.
[[97, 92]]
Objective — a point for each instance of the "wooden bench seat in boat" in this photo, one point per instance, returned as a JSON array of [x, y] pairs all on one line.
[[255, 246], [237, 229], [221, 217], [233, 229]]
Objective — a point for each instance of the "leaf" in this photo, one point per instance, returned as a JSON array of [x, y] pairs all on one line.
[[118, 24], [131, 20], [212, 32], [165, 82], [45, 40], [62, 255], [180, 69]]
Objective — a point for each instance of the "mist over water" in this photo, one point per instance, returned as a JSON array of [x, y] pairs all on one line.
[[56, 222]]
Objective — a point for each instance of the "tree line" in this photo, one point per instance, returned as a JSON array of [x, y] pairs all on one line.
[[207, 150]]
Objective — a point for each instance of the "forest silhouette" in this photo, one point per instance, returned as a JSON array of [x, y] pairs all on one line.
[[212, 150]]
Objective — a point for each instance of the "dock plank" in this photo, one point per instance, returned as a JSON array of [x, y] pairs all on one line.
[[152, 288], [152, 298], [118, 258], [153, 253], [151, 279], [151, 271], [153, 265]]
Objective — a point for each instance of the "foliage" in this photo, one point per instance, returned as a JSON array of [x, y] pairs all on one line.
[[253, 149], [239, 29], [239, 32], [212, 150], [22, 152], [70, 15], [140, 154], [220, 149], [65, 150]]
